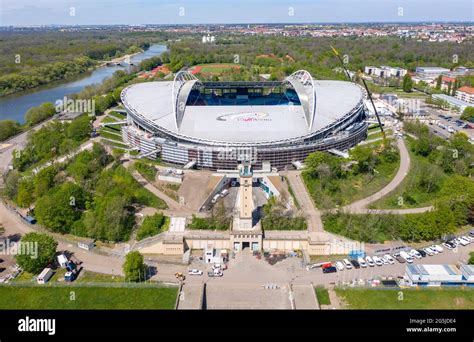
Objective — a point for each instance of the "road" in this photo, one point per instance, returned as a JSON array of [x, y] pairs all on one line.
[[313, 215]]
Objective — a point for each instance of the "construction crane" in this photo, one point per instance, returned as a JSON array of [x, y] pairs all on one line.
[[366, 88]]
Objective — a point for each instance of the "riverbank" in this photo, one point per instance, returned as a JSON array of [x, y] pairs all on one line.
[[15, 106]]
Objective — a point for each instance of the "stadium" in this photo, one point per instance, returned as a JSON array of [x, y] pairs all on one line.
[[216, 125]]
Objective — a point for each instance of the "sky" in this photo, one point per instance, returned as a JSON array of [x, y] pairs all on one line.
[[109, 12]]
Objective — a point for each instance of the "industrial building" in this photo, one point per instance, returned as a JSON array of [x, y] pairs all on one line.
[[439, 275]]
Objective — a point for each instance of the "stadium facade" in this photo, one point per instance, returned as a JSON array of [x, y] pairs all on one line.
[[216, 125]]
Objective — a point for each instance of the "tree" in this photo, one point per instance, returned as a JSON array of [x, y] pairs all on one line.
[[468, 114], [37, 114], [45, 248], [25, 196], [8, 128], [59, 209], [151, 225], [134, 267], [407, 83], [438, 82], [11, 180]]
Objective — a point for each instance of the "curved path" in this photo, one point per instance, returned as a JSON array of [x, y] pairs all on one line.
[[360, 206]]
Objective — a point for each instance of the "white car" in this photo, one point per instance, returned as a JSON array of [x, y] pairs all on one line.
[[369, 261], [362, 262], [463, 241], [377, 261], [389, 259], [339, 266], [195, 272], [415, 254], [383, 260], [428, 251], [347, 264], [468, 239], [437, 248], [408, 258], [447, 246]]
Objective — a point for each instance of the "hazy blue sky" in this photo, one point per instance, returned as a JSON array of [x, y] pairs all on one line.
[[41, 12]]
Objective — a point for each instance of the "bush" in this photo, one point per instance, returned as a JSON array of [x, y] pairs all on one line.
[[37, 114], [8, 128], [146, 170], [152, 225], [134, 267], [46, 249]]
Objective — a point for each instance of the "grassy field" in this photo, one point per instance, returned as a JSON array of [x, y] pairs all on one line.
[[36, 297], [323, 295], [407, 189], [353, 187], [410, 298]]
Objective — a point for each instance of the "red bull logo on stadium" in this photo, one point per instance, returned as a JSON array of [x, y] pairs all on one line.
[[245, 117]]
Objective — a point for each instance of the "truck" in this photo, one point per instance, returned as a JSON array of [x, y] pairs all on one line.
[[62, 260], [44, 276]]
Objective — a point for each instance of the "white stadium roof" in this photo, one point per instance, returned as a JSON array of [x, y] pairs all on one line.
[[156, 102]]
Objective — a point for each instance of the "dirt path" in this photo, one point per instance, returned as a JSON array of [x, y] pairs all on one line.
[[313, 215]]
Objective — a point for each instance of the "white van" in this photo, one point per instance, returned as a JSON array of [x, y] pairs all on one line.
[[369, 261], [347, 264], [339, 266], [362, 262], [406, 256], [224, 192]]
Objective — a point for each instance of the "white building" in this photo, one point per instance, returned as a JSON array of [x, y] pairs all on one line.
[[430, 73], [439, 275], [385, 71], [465, 94]]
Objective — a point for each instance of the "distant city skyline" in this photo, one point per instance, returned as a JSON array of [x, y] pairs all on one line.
[[135, 12]]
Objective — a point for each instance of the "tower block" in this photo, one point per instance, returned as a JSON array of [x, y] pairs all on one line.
[[246, 205]]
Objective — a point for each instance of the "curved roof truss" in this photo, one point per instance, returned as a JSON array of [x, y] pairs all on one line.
[[303, 83], [183, 83]]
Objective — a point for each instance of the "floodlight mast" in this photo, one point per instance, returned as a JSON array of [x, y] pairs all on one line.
[[365, 86]]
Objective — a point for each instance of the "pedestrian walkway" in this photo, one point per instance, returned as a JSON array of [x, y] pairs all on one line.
[[313, 215]]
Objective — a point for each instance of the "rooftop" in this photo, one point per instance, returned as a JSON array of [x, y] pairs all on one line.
[[242, 123]]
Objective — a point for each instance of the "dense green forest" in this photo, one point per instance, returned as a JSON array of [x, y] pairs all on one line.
[[282, 55], [30, 59]]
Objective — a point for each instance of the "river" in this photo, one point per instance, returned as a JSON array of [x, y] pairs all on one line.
[[16, 105]]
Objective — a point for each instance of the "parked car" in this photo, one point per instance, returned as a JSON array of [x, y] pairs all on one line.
[[384, 261], [347, 264], [422, 253], [408, 258], [414, 254], [463, 241], [438, 248], [448, 245], [362, 262], [331, 269], [389, 259], [326, 265], [469, 238], [428, 251], [471, 233], [355, 263], [369, 261], [340, 266], [399, 258], [195, 272], [377, 260]]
